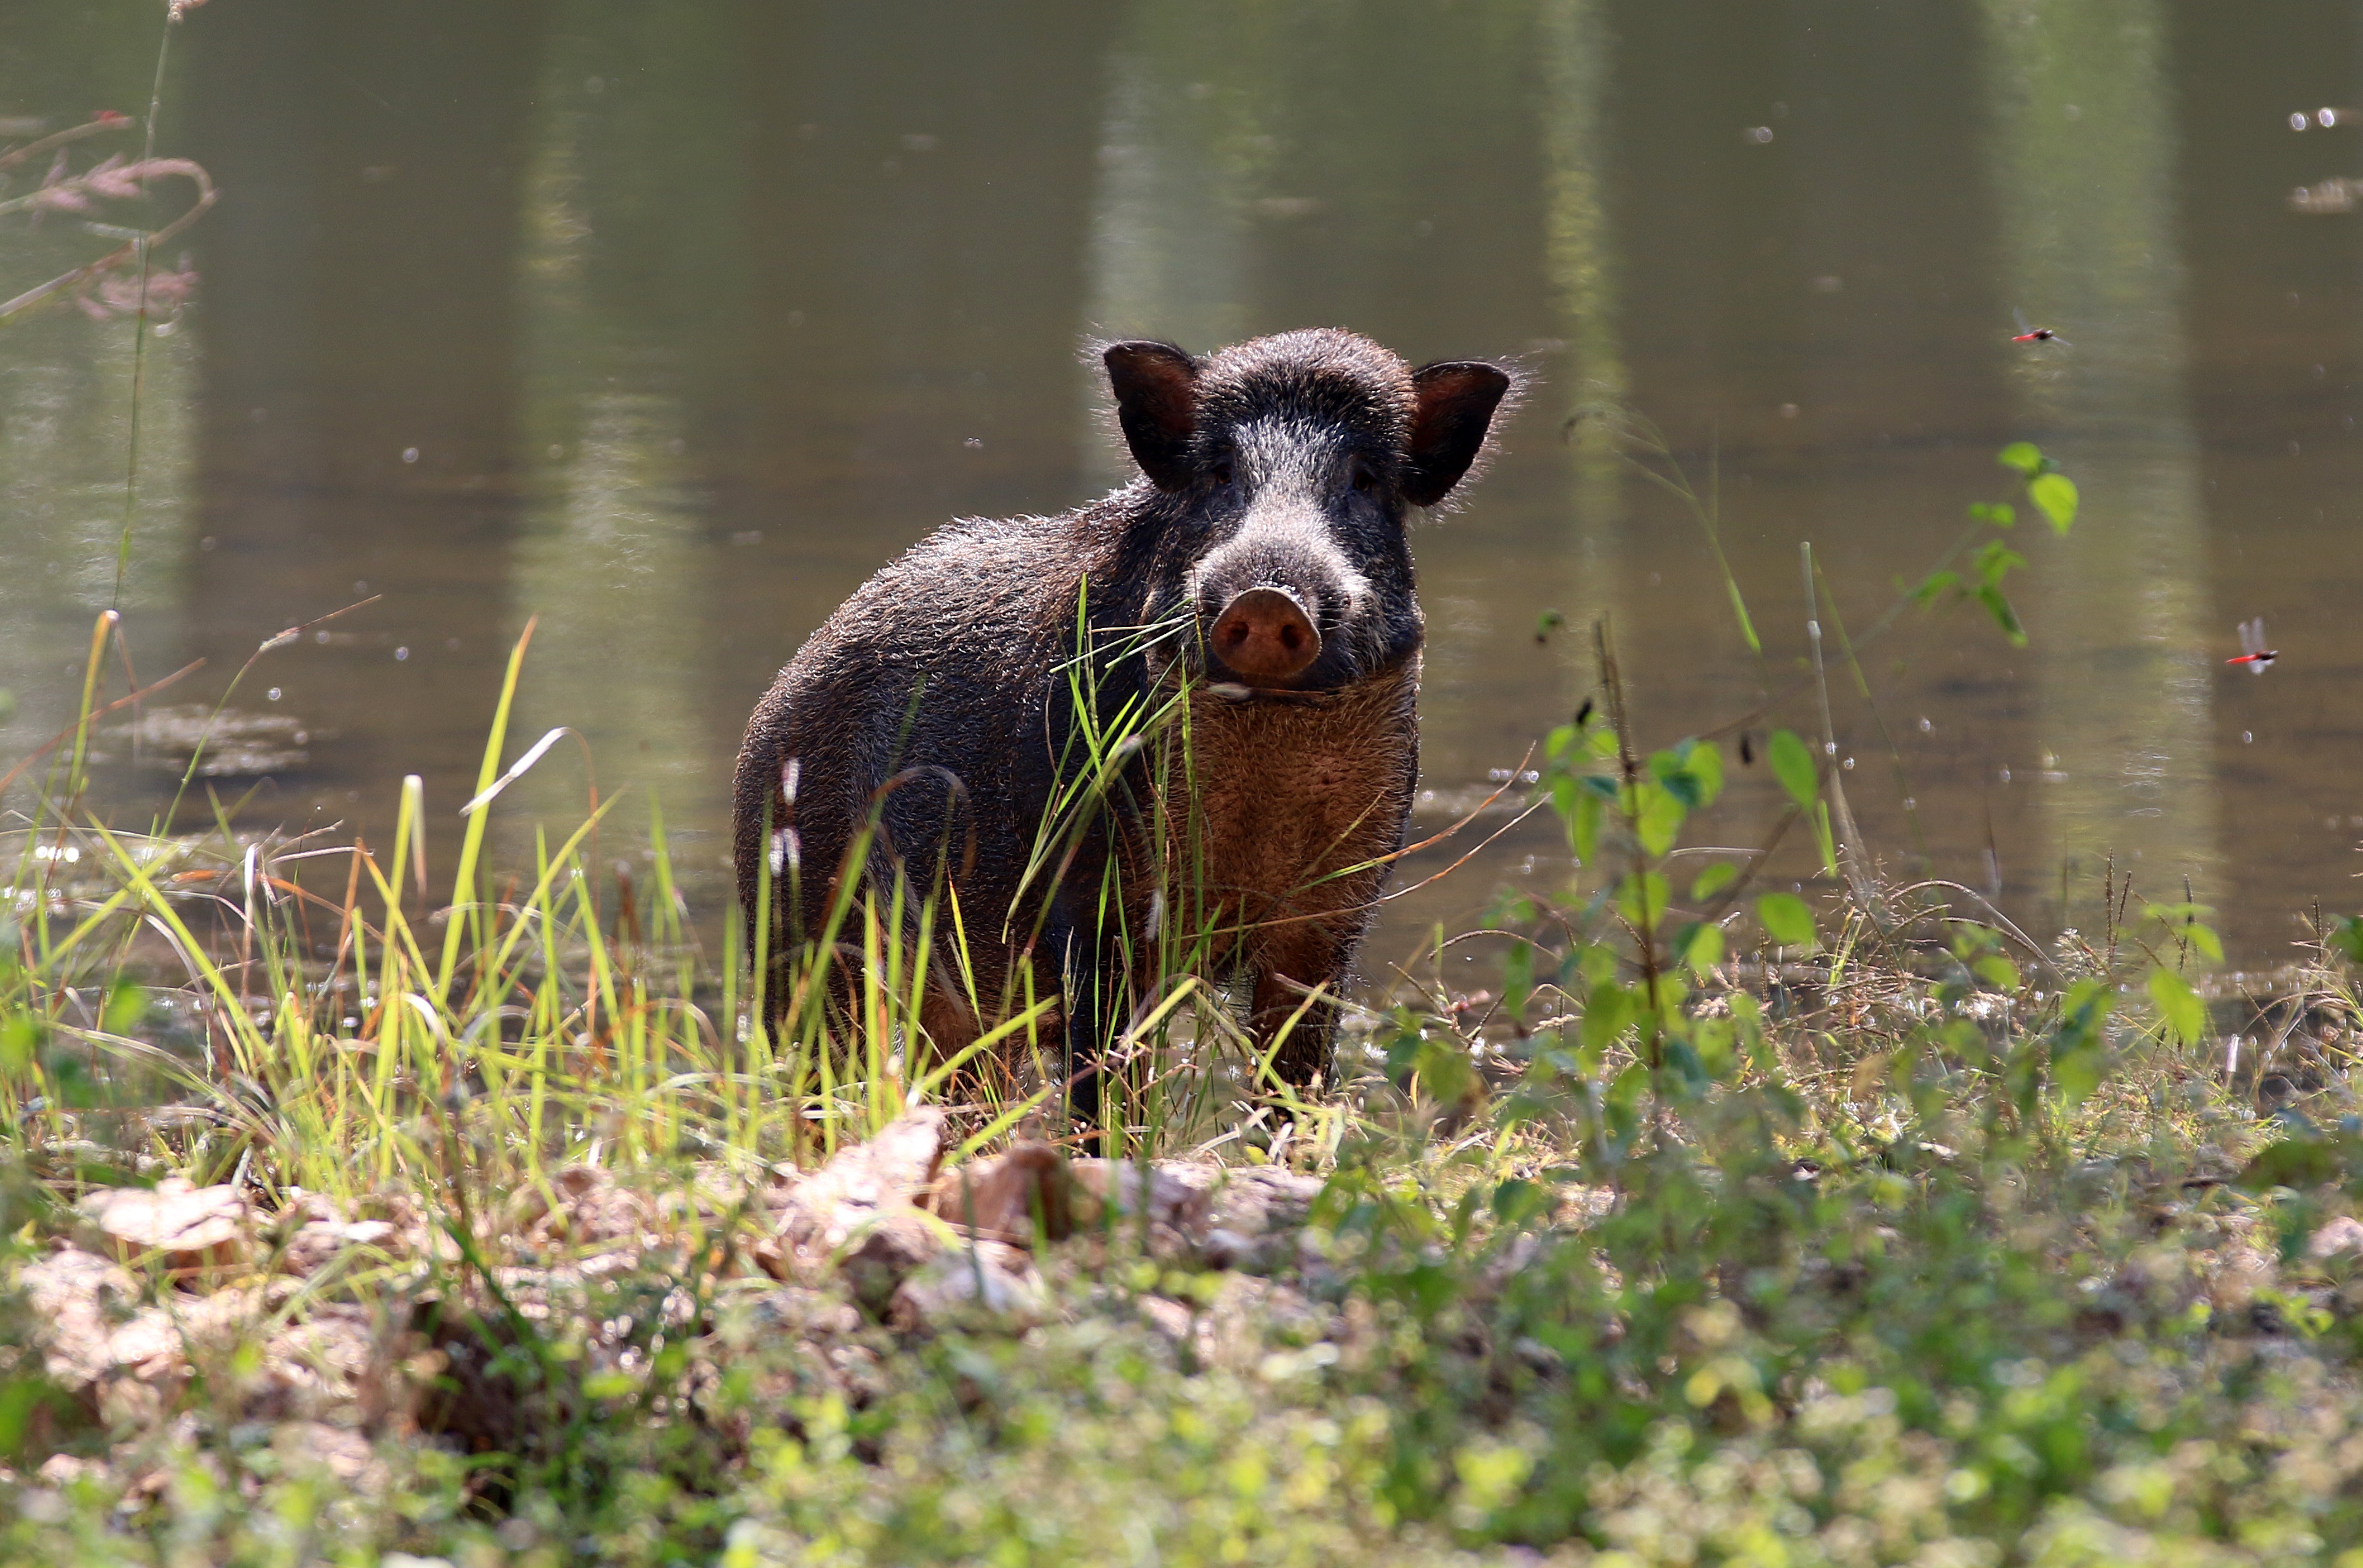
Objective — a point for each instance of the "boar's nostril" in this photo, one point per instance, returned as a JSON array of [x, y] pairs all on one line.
[[1265, 635]]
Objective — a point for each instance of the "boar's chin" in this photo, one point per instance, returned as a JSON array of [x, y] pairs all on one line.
[[1333, 672]]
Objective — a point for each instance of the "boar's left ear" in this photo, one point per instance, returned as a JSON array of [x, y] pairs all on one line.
[[1455, 405], [1156, 388]]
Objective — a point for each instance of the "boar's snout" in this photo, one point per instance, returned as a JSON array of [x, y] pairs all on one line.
[[1265, 635]]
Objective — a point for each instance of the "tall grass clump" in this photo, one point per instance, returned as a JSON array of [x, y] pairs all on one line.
[[341, 1026]]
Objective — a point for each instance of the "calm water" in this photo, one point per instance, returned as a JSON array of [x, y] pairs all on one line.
[[667, 323]]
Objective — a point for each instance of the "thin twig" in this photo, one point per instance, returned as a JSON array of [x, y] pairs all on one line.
[[207, 196], [51, 744], [277, 640], [17, 155], [139, 316], [1854, 861]]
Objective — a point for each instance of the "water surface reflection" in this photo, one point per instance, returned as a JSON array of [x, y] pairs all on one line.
[[662, 327]]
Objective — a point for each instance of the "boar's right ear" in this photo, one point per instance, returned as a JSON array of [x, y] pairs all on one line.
[[1455, 405], [1156, 388]]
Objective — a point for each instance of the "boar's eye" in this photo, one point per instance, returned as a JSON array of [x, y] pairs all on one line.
[[1222, 470], [1365, 481]]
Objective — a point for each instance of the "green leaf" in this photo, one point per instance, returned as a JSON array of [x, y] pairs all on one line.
[[1642, 900], [1658, 820], [2003, 616], [20, 1398], [1928, 592], [1583, 827], [2084, 1010], [1402, 1047], [2076, 1073], [2080, 1044], [2055, 494], [1517, 978], [1997, 971], [1739, 608], [1685, 1069], [1605, 1013], [1995, 560], [1787, 920], [1700, 943], [2203, 938], [1563, 789], [1713, 880], [1444, 1071], [1712, 1038], [127, 1004], [1702, 760], [2001, 514], [2347, 938], [2178, 1004], [1596, 962], [1671, 769], [2024, 456], [20, 1039], [1793, 765]]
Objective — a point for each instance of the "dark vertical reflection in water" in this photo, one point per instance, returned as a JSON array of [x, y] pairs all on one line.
[[2275, 334], [917, 203], [632, 277], [1805, 297], [923, 194], [1577, 55], [358, 428], [2083, 147]]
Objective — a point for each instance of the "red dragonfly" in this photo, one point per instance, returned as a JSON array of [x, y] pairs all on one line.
[[2037, 334], [2253, 652]]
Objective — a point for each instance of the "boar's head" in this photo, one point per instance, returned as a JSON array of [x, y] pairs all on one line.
[[1280, 475]]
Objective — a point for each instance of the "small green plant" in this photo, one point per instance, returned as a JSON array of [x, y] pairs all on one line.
[[2050, 492]]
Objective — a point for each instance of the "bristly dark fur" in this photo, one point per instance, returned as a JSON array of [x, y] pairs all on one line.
[[940, 691], [1326, 364]]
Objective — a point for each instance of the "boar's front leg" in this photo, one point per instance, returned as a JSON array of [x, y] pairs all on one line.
[[1292, 961], [1090, 970]]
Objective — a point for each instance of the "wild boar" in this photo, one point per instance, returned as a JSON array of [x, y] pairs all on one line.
[[1176, 727]]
